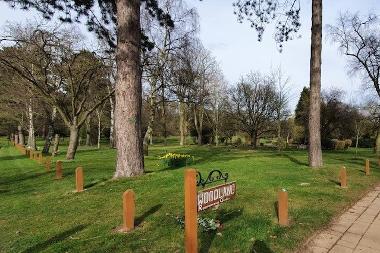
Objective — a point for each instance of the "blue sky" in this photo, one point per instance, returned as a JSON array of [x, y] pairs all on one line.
[[236, 48]]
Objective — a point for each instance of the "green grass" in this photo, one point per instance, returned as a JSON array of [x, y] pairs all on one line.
[[40, 214]]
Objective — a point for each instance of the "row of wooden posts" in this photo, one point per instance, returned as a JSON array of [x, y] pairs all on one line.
[[128, 196], [191, 213]]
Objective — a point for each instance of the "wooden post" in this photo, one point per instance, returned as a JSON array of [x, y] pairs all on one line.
[[367, 169], [128, 210], [283, 208], [31, 154], [191, 222], [343, 177], [58, 170], [47, 163], [79, 179]]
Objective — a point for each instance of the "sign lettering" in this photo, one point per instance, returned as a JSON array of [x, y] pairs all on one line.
[[214, 196]]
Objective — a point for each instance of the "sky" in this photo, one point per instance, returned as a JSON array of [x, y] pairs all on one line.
[[238, 52]]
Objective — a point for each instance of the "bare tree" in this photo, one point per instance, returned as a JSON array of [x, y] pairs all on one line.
[[253, 105], [281, 83], [359, 39]]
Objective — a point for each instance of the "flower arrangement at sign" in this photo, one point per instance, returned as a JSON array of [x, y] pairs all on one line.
[[174, 160]]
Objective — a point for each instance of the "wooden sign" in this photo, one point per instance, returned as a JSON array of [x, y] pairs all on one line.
[[216, 195]]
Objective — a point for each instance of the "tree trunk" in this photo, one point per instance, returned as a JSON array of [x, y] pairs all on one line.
[[254, 140], [73, 142], [112, 124], [148, 138], [55, 145], [315, 152], [98, 113], [49, 136], [378, 144], [88, 131], [279, 140], [182, 123], [130, 159], [31, 137], [20, 135], [198, 125]]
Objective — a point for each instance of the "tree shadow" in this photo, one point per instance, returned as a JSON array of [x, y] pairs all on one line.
[[334, 181], [275, 204], [223, 216], [259, 246], [22, 177], [55, 239], [295, 160], [12, 157], [139, 220], [94, 182]]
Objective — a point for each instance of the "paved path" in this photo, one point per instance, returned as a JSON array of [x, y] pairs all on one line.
[[357, 230]]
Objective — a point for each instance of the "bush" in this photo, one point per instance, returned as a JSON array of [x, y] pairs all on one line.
[[340, 145], [173, 160], [238, 141], [348, 143]]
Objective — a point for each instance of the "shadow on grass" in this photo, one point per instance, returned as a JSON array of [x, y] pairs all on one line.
[[12, 157], [260, 247], [295, 160], [139, 220], [275, 204], [335, 181], [55, 239], [22, 177], [94, 182], [223, 217]]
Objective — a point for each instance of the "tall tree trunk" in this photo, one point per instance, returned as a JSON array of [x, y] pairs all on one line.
[[378, 144], [73, 141], [31, 136], [98, 114], [88, 131], [112, 123], [254, 140], [279, 139], [49, 136], [55, 145], [20, 135], [130, 159], [198, 125], [182, 123], [148, 138], [315, 151]]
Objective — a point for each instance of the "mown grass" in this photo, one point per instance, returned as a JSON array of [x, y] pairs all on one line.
[[40, 214]]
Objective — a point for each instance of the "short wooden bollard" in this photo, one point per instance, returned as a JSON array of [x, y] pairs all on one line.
[[191, 222], [343, 177], [128, 210], [79, 179], [58, 170], [367, 169], [47, 163], [31, 154], [283, 219]]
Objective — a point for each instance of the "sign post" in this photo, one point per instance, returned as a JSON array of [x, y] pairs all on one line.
[[283, 208], [343, 177], [191, 221], [367, 170]]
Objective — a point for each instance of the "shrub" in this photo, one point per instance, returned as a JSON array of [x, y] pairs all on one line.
[[347, 144], [173, 160], [238, 141], [340, 145]]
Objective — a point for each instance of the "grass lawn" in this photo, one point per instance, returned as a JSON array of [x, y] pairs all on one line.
[[40, 214]]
